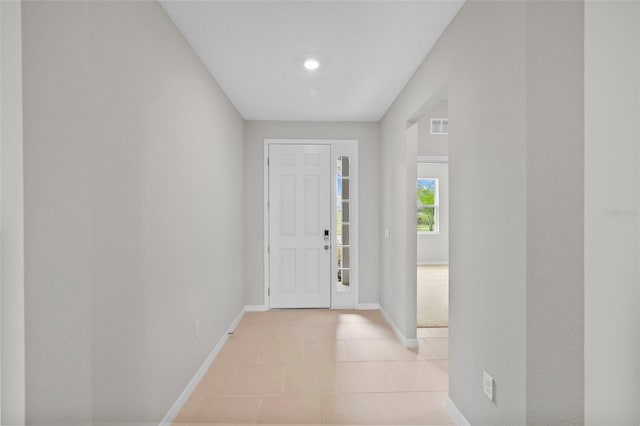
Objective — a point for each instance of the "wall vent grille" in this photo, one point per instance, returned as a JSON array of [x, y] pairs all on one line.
[[439, 126]]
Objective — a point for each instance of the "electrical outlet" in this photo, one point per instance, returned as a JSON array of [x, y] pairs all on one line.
[[387, 233], [487, 385], [196, 328]]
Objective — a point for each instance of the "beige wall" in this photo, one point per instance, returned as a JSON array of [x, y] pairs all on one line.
[[487, 320], [12, 362], [133, 220], [367, 135], [498, 273], [57, 215], [555, 212], [612, 218]]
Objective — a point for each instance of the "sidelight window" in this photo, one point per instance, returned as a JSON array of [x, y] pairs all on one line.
[[342, 225]]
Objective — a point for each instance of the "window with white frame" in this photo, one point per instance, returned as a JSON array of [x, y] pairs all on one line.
[[427, 206], [343, 246]]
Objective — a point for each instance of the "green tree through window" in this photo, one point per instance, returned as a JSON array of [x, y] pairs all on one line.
[[427, 205]]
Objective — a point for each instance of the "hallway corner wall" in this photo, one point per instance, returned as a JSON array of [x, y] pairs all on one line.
[[12, 332], [486, 149], [612, 213], [555, 191], [499, 281], [516, 147], [133, 217]]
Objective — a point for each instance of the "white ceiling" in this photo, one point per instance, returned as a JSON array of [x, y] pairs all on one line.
[[368, 50]]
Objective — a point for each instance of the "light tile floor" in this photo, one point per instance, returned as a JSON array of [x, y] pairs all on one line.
[[322, 367]]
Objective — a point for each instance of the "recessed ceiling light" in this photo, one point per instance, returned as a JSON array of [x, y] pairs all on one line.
[[311, 64]]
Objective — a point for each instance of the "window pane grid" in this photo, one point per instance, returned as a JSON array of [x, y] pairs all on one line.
[[342, 224], [427, 199]]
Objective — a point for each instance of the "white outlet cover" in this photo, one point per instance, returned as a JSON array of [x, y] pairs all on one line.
[[487, 385]]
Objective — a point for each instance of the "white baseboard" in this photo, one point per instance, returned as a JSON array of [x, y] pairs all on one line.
[[359, 306], [367, 306], [433, 262], [191, 386], [407, 343], [456, 414], [255, 308]]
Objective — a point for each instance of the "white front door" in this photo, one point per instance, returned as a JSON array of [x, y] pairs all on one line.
[[299, 226]]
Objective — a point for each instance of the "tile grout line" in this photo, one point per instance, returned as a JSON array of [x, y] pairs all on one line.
[[346, 350], [233, 375], [384, 409], [193, 416], [284, 377], [255, 422], [386, 376]]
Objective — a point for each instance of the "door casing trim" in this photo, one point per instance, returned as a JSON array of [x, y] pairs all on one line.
[[333, 143]]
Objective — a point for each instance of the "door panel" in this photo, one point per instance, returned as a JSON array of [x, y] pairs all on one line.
[[299, 214]]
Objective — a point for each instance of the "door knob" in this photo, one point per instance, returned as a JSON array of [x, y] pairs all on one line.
[[326, 246]]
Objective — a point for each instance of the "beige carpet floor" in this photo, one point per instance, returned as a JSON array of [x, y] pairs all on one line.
[[433, 296]]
